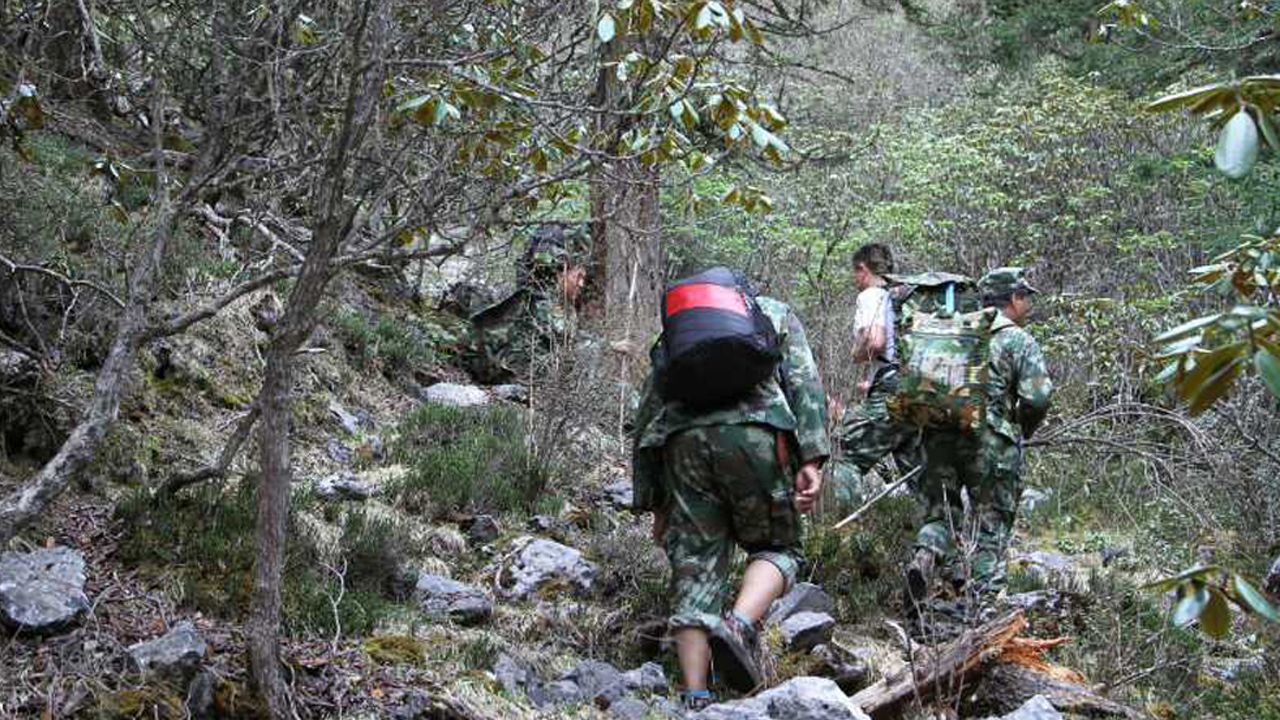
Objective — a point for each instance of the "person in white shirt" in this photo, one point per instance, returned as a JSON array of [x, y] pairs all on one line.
[[867, 433]]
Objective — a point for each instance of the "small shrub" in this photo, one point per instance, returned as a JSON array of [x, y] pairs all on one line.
[[468, 459], [390, 344], [395, 649], [205, 537]]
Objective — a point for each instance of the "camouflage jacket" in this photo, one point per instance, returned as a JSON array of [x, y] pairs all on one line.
[[1018, 384], [793, 401], [510, 335]]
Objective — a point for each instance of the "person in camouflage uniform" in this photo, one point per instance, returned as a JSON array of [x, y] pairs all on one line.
[[738, 475], [866, 433], [988, 464], [508, 337]]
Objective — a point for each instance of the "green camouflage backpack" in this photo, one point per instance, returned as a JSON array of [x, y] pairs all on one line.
[[928, 294], [943, 335]]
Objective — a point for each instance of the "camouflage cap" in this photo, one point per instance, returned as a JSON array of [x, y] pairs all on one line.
[[1005, 281], [550, 250]]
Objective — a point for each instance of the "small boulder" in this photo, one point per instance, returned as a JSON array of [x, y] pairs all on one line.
[[1037, 708], [619, 493], [804, 597], [511, 393], [647, 678], [802, 698], [176, 654], [516, 677], [629, 708], [1035, 600], [850, 673], [455, 395], [806, 630], [1048, 565], [345, 486], [1033, 498], [441, 597], [349, 422], [597, 682], [42, 591], [339, 451], [483, 529], [545, 562]]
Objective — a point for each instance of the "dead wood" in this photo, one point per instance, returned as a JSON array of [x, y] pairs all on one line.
[[1005, 668]]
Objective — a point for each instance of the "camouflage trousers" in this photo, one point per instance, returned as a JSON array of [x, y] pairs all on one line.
[[727, 488], [866, 434], [988, 467]]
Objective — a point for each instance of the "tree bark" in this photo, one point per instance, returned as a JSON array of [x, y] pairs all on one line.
[[336, 223]]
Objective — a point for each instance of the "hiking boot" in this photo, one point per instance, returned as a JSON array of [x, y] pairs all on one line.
[[733, 651], [693, 703], [919, 576]]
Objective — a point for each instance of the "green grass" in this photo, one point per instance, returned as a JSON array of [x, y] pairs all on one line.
[[468, 459], [205, 538]]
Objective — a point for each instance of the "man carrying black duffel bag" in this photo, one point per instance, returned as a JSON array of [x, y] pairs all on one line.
[[728, 446]]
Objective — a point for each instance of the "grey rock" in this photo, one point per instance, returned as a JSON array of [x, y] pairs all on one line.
[[597, 681], [629, 709], [349, 422], [542, 523], [483, 529], [646, 678], [1037, 708], [804, 597], [1047, 564], [1233, 669], [339, 451], [1111, 554], [14, 364], [511, 393], [1037, 600], [176, 654], [562, 692], [806, 630], [802, 698], [542, 561], [266, 312], [42, 591], [1033, 498], [850, 673], [619, 493], [513, 674], [345, 486], [455, 395], [441, 597], [200, 696]]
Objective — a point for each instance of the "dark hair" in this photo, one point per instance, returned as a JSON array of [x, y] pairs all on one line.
[[876, 256], [1001, 300]]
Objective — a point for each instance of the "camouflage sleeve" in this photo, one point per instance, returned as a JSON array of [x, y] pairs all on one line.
[[647, 489], [1034, 386], [803, 387]]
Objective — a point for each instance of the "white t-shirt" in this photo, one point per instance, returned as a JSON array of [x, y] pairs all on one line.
[[875, 306]]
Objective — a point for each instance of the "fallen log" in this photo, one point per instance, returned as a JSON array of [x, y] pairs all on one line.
[[1008, 670]]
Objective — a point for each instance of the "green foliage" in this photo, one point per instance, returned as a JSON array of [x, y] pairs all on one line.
[[395, 649], [861, 566], [1208, 354], [204, 538], [1205, 594], [392, 345], [468, 459]]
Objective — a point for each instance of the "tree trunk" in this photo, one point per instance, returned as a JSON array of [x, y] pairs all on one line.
[[336, 223], [628, 263]]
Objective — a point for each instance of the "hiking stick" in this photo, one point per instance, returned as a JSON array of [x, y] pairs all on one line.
[[867, 505]]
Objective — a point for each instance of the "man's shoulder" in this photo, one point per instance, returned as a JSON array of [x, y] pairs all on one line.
[[1012, 338]]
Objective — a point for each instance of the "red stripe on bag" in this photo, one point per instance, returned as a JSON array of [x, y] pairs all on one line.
[[705, 296]]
